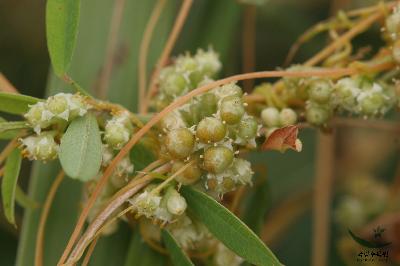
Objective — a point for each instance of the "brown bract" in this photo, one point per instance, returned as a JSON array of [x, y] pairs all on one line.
[[282, 139]]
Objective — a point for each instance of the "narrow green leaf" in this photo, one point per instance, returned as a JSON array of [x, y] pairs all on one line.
[[16, 103], [141, 156], [7, 126], [24, 200], [9, 183], [140, 254], [228, 228], [80, 149], [62, 19], [177, 254]]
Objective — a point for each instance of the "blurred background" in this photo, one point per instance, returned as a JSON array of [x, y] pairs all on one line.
[[361, 162]]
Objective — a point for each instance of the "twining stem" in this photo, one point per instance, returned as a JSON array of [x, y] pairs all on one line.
[[143, 51], [105, 75], [345, 38], [112, 220], [6, 86], [249, 43], [8, 149], [179, 22], [169, 179], [116, 201], [182, 100], [89, 252], [43, 219]]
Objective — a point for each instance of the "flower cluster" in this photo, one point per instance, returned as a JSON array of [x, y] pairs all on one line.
[[55, 113], [209, 131], [165, 207], [185, 74]]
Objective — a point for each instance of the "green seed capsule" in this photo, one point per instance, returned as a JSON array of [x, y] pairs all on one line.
[[270, 117], [189, 176], [287, 117], [180, 143], [320, 91], [317, 115], [372, 103], [174, 84], [232, 110], [208, 105], [230, 89], [217, 159], [210, 129], [248, 128]]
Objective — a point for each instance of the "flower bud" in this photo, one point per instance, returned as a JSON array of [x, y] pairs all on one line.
[[58, 106], [320, 91], [146, 204], [173, 120], [224, 256], [346, 93], [230, 89], [242, 171], [317, 114], [180, 143], [248, 128], [189, 176], [231, 110], [41, 147], [176, 204], [38, 116], [372, 100], [210, 129], [270, 117], [118, 130], [208, 62], [287, 117], [217, 159], [174, 85]]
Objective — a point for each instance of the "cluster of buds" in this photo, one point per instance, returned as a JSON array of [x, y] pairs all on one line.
[[273, 118], [164, 207], [363, 197], [118, 130], [55, 113], [209, 133], [185, 74]]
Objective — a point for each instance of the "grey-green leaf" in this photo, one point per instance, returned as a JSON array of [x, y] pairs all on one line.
[[62, 19], [80, 149], [228, 228], [16, 103], [178, 256], [9, 184]]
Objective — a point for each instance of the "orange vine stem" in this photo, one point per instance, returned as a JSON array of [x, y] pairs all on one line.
[[43, 219], [89, 253], [144, 48], [180, 20]]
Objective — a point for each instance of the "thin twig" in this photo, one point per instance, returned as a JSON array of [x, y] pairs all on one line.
[[89, 252], [322, 198], [179, 22], [6, 86], [105, 75], [144, 48], [249, 43], [342, 40], [43, 219]]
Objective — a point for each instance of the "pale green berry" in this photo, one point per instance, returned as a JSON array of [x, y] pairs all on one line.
[[176, 204], [346, 92], [371, 102], [210, 129], [189, 176], [174, 84], [180, 143], [217, 159], [248, 128], [320, 91], [270, 117], [287, 117], [232, 110], [317, 114], [41, 147]]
